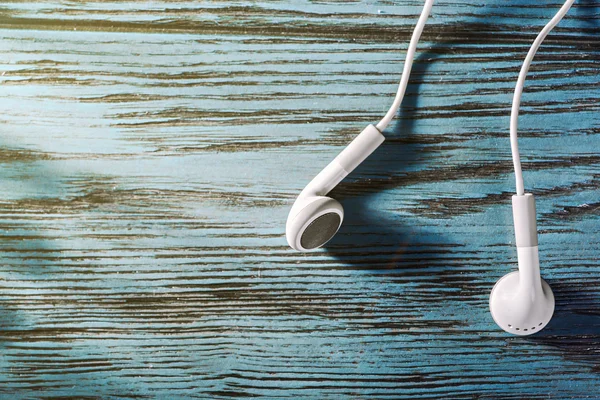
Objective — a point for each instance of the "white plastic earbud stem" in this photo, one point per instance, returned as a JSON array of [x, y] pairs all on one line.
[[321, 184], [351, 157], [524, 218], [360, 148]]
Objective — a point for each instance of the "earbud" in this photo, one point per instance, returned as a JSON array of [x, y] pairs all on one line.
[[521, 302], [315, 218]]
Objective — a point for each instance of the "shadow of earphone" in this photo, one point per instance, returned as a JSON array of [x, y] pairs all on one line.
[[586, 9], [575, 327], [373, 239]]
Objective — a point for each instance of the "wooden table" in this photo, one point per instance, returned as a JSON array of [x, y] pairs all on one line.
[[150, 152]]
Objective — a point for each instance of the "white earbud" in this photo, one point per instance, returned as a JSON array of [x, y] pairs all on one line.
[[314, 218], [521, 302]]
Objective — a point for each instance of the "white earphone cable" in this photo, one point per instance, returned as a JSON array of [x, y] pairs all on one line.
[[410, 55], [514, 116]]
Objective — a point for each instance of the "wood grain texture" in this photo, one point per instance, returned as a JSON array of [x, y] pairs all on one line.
[[150, 152]]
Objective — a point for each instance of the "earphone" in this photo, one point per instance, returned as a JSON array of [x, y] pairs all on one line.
[[521, 302], [315, 218]]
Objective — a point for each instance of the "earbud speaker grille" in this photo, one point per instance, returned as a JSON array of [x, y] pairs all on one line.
[[320, 231]]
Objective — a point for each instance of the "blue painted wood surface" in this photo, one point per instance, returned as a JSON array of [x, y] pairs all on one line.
[[150, 152]]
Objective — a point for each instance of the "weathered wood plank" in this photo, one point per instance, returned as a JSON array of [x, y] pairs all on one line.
[[150, 152]]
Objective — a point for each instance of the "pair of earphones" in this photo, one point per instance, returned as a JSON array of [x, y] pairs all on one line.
[[521, 302]]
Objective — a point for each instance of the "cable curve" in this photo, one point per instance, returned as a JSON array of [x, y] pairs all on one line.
[[410, 55], [514, 116]]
